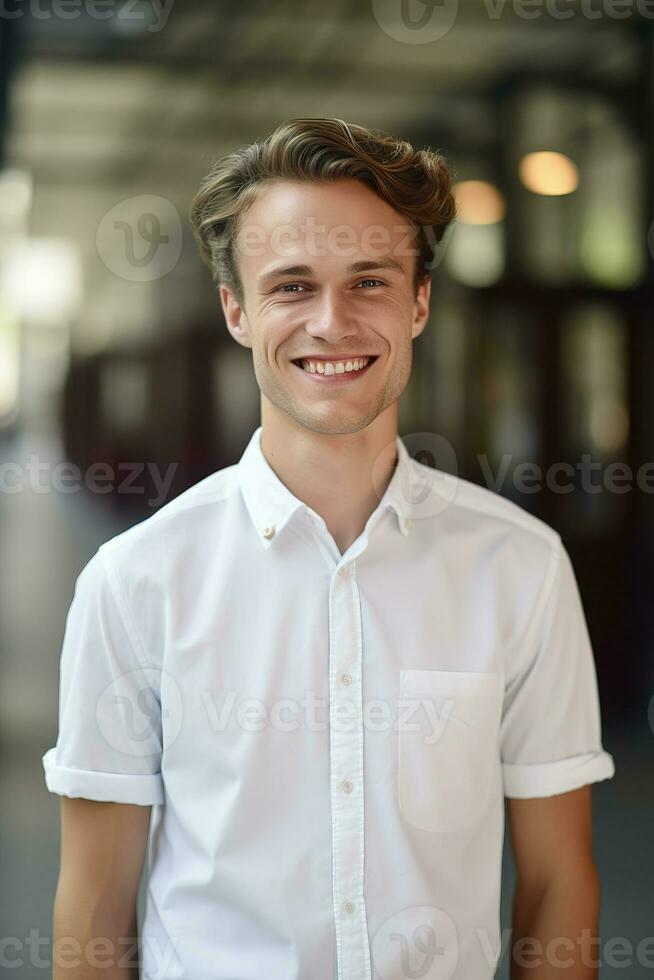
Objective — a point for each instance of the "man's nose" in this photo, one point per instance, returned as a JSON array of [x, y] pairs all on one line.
[[331, 318]]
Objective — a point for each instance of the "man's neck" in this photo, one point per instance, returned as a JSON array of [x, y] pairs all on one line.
[[341, 477]]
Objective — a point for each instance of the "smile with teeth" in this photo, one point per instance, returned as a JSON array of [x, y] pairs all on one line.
[[334, 367]]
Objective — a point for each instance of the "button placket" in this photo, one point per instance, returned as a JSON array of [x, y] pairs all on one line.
[[346, 760]]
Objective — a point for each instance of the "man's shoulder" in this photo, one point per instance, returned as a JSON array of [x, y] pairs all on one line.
[[496, 545], [188, 517], [477, 509]]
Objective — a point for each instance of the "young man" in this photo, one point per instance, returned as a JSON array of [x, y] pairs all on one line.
[[326, 666]]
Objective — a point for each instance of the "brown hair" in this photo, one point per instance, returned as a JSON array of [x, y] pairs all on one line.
[[416, 183]]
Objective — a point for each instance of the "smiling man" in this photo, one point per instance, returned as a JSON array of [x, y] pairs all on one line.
[[331, 328], [325, 667]]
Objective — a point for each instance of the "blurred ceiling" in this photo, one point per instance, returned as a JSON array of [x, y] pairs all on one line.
[[105, 108], [105, 101]]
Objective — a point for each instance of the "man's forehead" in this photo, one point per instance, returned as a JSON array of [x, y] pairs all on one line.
[[295, 197], [289, 250], [276, 270], [316, 208], [303, 228], [304, 235]]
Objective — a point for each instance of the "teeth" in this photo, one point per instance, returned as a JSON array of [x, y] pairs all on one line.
[[334, 367]]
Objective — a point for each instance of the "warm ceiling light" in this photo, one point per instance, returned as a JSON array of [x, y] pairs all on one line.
[[478, 202], [548, 173]]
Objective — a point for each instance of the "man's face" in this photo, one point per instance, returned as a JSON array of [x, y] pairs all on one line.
[[352, 298]]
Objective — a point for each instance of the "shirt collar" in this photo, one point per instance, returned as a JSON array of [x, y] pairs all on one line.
[[271, 504]]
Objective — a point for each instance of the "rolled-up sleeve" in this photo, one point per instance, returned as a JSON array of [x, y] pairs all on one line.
[[109, 740], [551, 727]]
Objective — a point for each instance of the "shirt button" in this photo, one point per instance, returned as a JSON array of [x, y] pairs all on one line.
[[345, 678], [344, 569], [408, 523], [347, 786], [269, 531], [349, 907]]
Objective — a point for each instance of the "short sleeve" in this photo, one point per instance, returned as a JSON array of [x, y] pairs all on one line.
[[109, 740], [551, 729]]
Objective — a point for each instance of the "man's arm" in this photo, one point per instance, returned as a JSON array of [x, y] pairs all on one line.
[[557, 899], [94, 917]]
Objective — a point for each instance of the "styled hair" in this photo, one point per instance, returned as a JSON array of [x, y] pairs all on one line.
[[416, 183]]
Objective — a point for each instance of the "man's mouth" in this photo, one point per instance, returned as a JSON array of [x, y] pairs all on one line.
[[350, 367]]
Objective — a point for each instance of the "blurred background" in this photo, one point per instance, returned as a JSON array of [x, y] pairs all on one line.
[[120, 386]]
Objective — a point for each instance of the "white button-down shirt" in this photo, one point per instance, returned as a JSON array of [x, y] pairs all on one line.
[[326, 739]]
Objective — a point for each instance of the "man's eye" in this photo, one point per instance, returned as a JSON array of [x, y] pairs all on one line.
[[370, 280], [292, 287]]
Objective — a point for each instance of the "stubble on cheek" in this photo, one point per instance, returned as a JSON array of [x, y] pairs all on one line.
[[271, 379]]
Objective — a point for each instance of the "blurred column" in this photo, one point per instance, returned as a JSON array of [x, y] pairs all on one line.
[[642, 374], [9, 37]]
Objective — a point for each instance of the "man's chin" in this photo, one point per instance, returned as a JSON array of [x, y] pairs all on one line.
[[330, 418], [332, 422]]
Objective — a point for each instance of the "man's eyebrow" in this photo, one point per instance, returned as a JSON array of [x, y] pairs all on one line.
[[364, 265]]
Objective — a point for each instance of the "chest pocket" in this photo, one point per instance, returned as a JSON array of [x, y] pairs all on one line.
[[448, 746]]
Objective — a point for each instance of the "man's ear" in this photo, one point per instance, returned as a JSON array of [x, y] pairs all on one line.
[[235, 316], [421, 306]]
